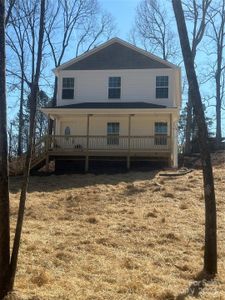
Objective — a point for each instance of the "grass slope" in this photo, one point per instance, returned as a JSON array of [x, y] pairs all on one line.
[[129, 236]]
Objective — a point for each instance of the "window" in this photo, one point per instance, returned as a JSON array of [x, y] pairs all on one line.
[[114, 90], [160, 133], [68, 88], [113, 133], [162, 86]]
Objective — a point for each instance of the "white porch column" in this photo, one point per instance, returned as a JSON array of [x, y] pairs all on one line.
[[174, 141], [129, 131], [87, 145]]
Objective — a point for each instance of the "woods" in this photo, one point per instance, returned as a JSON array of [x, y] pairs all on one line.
[[37, 36]]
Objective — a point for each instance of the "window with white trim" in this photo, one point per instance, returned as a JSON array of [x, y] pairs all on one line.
[[113, 129], [161, 129], [68, 88], [162, 86], [114, 88]]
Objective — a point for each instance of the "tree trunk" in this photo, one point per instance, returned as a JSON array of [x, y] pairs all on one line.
[[50, 126], [218, 102], [4, 187], [210, 254], [21, 121], [33, 107], [187, 149]]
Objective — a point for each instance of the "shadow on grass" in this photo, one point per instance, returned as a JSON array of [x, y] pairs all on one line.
[[196, 287], [113, 176]]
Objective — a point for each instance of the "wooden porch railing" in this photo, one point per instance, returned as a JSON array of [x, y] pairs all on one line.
[[110, 143], [73, 144]]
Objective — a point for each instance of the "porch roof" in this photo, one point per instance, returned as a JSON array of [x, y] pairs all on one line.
[[110, 105]]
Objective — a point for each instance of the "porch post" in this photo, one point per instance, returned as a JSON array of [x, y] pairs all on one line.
[[173, 157], [129, 132], [175, 144], [47, 144], [87, 145], [171, 141]]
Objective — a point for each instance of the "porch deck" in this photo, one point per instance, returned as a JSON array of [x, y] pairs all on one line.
[[61, 147]]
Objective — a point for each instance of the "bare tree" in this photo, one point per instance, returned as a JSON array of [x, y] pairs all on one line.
[[22, 35], [8, 264], [216, 36], [16, 41], [195, 12], [153, 28], [4, 183], [10, 5], [210, 254], [33, 108]]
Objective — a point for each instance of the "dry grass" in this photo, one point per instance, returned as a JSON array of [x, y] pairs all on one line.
[[127, 236]]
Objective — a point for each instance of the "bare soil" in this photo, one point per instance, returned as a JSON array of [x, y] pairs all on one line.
[[126, 236]]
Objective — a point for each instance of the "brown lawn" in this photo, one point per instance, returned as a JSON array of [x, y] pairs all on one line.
[[129, 236]]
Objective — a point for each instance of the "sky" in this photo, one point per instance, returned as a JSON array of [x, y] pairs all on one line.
[[124, 13]]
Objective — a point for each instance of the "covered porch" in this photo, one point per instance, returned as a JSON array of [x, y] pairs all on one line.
[[149, 134]]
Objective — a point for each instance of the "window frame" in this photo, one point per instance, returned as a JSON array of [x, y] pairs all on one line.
[[162, 87], [113, 134], [68, 88], [112, 87], [160, 136]]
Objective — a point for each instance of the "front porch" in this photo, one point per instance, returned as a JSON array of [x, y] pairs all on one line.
[[89, 148], [127, 133]]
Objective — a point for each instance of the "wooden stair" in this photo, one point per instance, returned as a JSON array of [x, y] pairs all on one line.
[[38, 160]]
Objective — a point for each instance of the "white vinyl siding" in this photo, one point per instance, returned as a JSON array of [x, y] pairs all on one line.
[[136, 86]]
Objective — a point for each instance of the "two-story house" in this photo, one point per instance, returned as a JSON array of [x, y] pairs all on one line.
[[115, 101]]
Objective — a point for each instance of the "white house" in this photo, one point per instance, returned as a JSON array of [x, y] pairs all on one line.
[[116, 100]]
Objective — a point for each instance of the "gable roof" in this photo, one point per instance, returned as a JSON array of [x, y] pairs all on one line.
[[115, 54]]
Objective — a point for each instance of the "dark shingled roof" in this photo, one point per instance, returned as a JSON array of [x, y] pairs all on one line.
[[112, 105], [116, 56]]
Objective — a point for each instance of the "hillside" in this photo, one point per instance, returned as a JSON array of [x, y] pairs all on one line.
[[129, 236]]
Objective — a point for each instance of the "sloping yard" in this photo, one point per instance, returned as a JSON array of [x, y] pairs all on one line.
[[129, 236]]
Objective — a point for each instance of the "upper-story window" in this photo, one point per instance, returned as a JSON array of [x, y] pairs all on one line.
[[68, 88], [114, 90], [162, 86]]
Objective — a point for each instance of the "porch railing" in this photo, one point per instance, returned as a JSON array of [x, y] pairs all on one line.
[[110, 142]]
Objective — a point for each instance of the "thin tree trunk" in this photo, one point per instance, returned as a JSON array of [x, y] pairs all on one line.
[[187, 149], [50, 128], [21, 121], [210, 254], [218, 103], [4, 186], [33, 106]]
